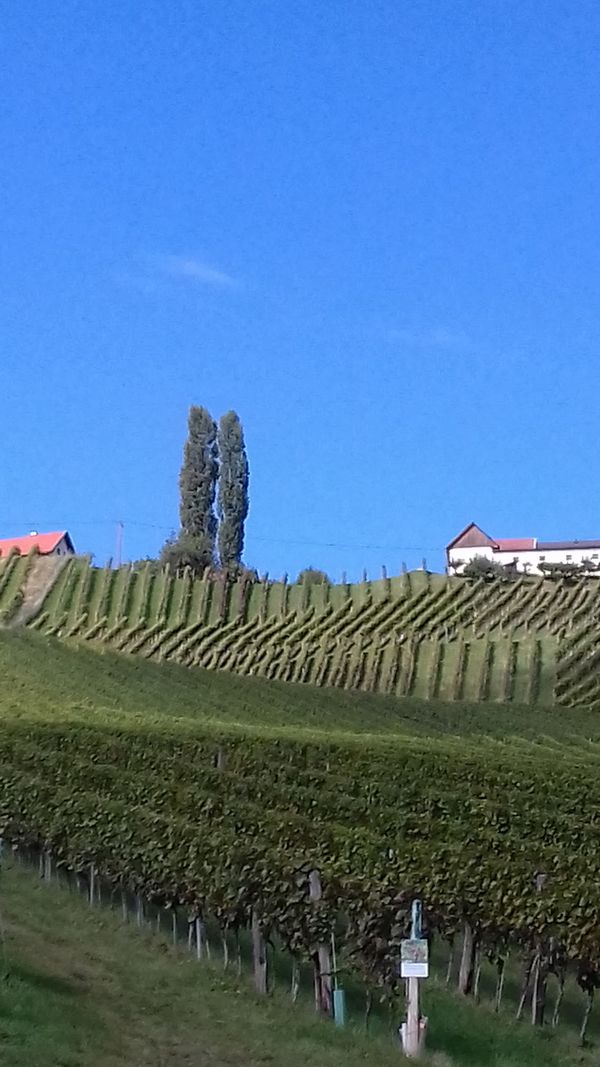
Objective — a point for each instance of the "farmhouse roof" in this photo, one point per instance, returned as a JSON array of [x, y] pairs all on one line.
[[549, 545], [45, 543], [516, 544]]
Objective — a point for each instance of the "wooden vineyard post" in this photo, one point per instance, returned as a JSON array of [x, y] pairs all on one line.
[[414, 966], [259, 956], [322, 957]]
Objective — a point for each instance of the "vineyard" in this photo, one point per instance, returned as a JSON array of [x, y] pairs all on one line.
[[230, 823], [532, 641]]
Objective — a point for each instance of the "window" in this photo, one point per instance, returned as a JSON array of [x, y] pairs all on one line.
[[594, 555], [568, 558], [542, 559]]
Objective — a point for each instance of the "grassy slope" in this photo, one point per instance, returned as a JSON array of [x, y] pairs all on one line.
[[82, 989], [81, 1006], [43, 675]]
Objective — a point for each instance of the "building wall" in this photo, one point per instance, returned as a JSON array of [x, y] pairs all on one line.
[[532, 556], [62, 549], [464, 555]]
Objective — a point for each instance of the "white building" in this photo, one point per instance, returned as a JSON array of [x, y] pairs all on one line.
[[526, 553]]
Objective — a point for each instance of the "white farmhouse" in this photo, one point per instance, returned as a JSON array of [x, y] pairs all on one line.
[[526, 553]]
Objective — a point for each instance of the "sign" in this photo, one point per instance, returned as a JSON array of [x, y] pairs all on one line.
[[414, 958]]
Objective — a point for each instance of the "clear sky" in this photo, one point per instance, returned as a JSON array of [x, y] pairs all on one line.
[[372, 228]]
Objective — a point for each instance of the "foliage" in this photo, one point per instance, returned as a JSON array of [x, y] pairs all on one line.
[[198, 482], [233, 489], [567, 570], [481, 567], [398, 636], [146, 803], [185, 551], [155, 565], [313, 576]]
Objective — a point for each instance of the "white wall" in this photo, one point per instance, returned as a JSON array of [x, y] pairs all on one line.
[[532, 556], [465, 555], [62, 549]]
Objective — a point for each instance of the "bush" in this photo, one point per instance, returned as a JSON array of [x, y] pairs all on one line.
[[187, 551], [313, 576], [489, 569]]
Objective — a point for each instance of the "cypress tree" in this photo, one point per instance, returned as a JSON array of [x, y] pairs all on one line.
[[198, 482], [233, 489]]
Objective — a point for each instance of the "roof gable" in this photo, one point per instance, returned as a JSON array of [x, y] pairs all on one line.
[[472, 537]]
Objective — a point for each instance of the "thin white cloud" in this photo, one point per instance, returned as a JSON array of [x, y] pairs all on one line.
[[156, 274], [189, 268], [439, 337]]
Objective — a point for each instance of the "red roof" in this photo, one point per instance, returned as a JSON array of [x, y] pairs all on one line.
[[515, 544], [45, 543]]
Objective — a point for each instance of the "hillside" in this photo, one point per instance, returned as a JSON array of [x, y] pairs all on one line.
[[82, 989], [212, 795], [532, 641], [59, 680]]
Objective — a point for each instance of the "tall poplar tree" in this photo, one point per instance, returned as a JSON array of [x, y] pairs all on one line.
[[195, 544], [233, 489], [198, 478]]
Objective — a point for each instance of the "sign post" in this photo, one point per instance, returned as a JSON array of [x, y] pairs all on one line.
[[414, 966]]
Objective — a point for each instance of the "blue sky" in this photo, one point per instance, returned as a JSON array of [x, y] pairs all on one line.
[[370, 228]]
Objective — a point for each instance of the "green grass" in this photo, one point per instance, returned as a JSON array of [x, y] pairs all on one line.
[[80, 988], [83, 989], [43, 675]]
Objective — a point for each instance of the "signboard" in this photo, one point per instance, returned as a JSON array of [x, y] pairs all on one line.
[[414, 958]]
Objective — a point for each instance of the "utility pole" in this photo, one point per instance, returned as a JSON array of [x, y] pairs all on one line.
[[119, 542]]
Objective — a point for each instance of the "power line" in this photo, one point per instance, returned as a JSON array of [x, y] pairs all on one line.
[[249, 536]]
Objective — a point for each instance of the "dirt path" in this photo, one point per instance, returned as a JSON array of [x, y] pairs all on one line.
[[40, 579]]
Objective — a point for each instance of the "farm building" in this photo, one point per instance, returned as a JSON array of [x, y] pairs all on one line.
[[526, 553], [58, 543]]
